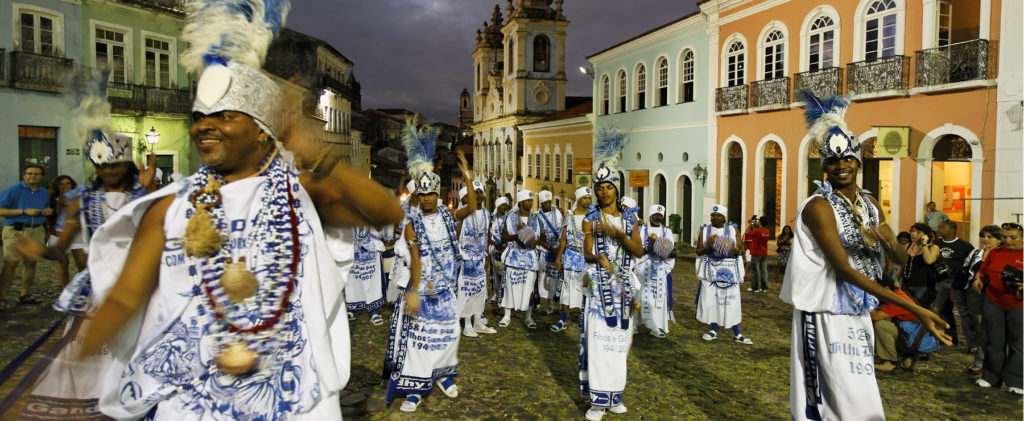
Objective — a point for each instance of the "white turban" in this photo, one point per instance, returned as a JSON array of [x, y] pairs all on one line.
[[583, 191], [410, 186], [523, 195], [501, 201], [544, 196], [477, 185], [628, 202], [655, 209], [462, 193], [719, 209]]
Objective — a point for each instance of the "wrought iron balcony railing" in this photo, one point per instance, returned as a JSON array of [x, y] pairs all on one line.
[[960, 62], [38, 72], [771, 92], [140, 100], [733, 98], [3, 67], [822, 82], [890, 73]]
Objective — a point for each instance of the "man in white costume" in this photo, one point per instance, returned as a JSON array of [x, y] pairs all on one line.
[[720, 271], [655, 272], [520, 234], [473, 243], [222, 300], [398, 275], [550, 218], [571, 259], [832, 280], [496, 247], [364, 290]]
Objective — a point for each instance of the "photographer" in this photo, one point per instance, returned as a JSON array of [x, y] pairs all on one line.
[[952, 252], [756, 239], [921, 254], [1000, 277]]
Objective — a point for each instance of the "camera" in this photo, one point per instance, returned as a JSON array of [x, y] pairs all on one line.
[[1012, 280]]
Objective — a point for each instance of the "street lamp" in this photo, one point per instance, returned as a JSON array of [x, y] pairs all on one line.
[[587, 70], [151, 140], [701, 174]]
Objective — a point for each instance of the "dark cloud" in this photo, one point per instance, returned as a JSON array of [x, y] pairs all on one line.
[[416, 54]]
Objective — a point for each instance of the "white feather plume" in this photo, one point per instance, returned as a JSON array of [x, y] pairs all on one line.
[[241, 30]]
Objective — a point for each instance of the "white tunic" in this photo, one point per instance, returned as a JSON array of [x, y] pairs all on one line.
[[547, 275], [167, 337], [654, 273], [718, 299], [521, 265], [366, 279], [473, 276], [570, 289]]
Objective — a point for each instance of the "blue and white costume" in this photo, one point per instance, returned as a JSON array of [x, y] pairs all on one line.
[[832, 362], [472, 275], [521, 261], [720, 273], [497, 268], [655, 273], [551, 228], [398, 276], [574, 264], [365, 281]]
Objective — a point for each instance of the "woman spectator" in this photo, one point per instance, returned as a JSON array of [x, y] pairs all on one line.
[[970, 302], [55, 223], [1000, 277], [886, 320], [783, 244], [921, 253]]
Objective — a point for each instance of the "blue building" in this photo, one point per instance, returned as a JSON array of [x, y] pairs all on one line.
[[655, 88]]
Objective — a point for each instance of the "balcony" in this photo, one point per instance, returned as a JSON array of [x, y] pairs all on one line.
[[960, 62], [142, 100], [822, 82], [38, 72], [770, 94], [731, 99], [880, 75]]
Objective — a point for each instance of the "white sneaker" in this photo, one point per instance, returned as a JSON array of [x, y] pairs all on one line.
[[595, 414], [750, 290], [620, 409], [1015, 390], [982, 383], [469, 332], [710, 336], [743, 340], [486, 329]]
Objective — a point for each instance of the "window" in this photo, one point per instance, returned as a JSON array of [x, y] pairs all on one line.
[[529, 165], [558, 166], [945, 23], [605, 88], [568, 168], [641, 87], [536, 163], [686, 69], [774, 55], [734, 64], [158, 63], [110, 53], [880, 33], [547, 166], [541, 48], [820, 51], [40, 32], [662, 98], [478, 77], [510, 57], [622, 92]]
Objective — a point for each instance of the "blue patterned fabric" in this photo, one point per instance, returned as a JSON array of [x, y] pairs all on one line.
[[864, 257]]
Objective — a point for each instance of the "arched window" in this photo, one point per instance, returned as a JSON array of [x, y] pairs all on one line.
[[686, 69], [641, 87], [880, 30], [622, 92], [541, 56], [605, 90], [479, 76], [536, 163], [662, 98], [568, 167], [547, 165], [735, 64], [558, 166], [774, 55], [820, 44], [510, 57], [529, 165]]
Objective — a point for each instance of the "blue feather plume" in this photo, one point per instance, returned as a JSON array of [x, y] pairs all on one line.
[[221, 30], [419, 143], [608, 144], [824, 115]]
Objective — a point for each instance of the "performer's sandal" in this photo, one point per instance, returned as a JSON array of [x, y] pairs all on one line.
[[710, 336], [376, 319], [558, 327], [743, 340], [503, 322], [530, 324], [447, 387], [618, 409], [594, 414], [657, 333], [410, 404]]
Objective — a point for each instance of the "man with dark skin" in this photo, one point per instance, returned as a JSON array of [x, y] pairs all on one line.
[[523, 210], [718, 299], [233, 145], [717, 221], [571, 281], [547, 278]]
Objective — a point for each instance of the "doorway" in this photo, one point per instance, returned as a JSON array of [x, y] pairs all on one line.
[[772, 206], [734, 200], [951, 179]]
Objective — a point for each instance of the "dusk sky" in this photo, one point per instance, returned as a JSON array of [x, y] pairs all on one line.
[[416, 54]]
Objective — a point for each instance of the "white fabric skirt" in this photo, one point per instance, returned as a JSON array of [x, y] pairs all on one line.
[[69, 385], [364, 288], [832, 370], [606, 349], [472, 293], [655, 311], [719, 305], [572, 289], [517, 288]]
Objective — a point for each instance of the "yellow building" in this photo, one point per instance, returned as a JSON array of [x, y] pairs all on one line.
[[558, 151]]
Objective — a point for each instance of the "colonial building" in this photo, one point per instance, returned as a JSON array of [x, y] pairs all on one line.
[[924, 81], [518, 78], [654, 87], [558, 153]]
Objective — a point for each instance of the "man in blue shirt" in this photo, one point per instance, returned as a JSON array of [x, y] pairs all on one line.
[[24, 207]]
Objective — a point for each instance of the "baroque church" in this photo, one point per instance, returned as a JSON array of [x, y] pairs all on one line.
[[518, 78]]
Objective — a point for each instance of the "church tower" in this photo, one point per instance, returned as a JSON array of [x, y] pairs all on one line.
[[534, 42], [487, 58], [465, 111]]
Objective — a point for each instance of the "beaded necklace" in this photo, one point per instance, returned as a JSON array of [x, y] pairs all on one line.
[[96, 200], [857, 208], [434, 252]]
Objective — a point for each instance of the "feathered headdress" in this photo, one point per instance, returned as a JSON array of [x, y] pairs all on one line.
[[90, 116], [228, 40], [419, 145], [826, 124], [608, 144]]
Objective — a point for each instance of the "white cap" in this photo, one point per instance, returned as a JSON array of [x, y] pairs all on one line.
[[718, 209], [628, 202], [462, 193], [501, 201], [523, 195], [583, 191], [655, 209], [544, 196], [477, 185]]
